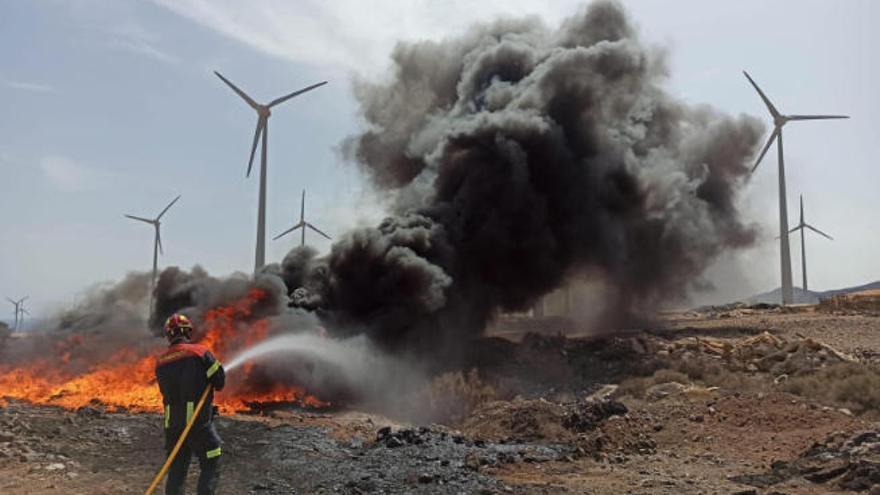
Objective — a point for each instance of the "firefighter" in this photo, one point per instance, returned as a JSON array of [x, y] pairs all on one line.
[[183, 371]]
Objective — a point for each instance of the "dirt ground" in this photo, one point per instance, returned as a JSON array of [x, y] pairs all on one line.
[[722, 401]]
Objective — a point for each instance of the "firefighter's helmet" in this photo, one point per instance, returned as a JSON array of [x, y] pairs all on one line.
[[177, 326]]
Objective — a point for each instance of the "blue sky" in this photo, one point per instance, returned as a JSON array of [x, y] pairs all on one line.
[[110, 107]]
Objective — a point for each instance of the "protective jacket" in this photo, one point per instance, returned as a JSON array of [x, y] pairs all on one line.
[[183, 371]]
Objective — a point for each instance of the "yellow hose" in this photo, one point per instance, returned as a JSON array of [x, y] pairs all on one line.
[[180, 441]]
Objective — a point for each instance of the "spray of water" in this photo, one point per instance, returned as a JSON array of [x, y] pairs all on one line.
[[307, 346], [353, 364]]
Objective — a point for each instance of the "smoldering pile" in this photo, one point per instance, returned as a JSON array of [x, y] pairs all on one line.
[[517, 156]]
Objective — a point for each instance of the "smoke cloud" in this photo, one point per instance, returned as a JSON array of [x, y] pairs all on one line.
[[107, 317], [518, 155], [195, 292]]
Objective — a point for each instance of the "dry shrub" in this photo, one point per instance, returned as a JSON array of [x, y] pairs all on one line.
[[712, 373], [636, 387], [699, 371], [699, 368], [453, 396], [853, 385]]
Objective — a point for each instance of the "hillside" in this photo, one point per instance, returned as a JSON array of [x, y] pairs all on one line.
[[807, 297]]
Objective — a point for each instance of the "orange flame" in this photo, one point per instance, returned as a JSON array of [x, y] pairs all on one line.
[[127, 379]]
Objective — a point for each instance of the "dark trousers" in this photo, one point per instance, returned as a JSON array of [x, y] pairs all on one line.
[[205, 445]]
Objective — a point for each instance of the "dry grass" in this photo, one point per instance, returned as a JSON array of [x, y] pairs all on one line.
[[636, 387], [852, 385], [451, 397], [704, 372], [712, 373]]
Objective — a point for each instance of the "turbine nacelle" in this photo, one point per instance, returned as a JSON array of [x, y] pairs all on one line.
[[779, 119], [302, 224], [157, 224], [263, 111]]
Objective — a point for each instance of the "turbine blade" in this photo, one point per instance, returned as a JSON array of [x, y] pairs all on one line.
[[814, 229], [279, 236], [770, 107], [10, 300], [816, 117], [26, 311], [167, 207], [261, 124], [317, 230], [302, 207], [250, 101], [282, 99], [159, 240], [791, 231], [773, 136], [142, 219], [23, 299]]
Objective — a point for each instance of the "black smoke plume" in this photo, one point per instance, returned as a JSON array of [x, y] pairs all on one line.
[[194, 292], [517, 156]]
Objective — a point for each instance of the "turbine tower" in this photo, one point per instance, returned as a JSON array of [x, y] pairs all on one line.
[[19, 308], [779, 120], [263, 113], [802, 226], [157, 243], [21, 312], [302, 224]]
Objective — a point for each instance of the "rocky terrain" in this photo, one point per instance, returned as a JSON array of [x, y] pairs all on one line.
[[748, 400]]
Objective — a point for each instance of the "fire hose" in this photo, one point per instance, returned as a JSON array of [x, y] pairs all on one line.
[[180, 440]]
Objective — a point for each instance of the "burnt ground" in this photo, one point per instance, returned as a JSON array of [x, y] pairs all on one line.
[[93, 452], [750, 401]]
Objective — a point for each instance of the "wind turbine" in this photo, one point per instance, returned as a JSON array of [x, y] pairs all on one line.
[[802, 226], [157, 243], [779, 120], [302, 224], [18, 309], [263, 113]]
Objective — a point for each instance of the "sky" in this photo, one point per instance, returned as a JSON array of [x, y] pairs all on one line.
[[111, 107]]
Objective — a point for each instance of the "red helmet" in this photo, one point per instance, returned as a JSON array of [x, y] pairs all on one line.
[[176, 326]]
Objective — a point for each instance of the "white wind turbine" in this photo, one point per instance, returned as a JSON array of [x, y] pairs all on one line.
[[779, 120], [302, 224], [19, 311], [263, 113], [157, 243], [802, 226]]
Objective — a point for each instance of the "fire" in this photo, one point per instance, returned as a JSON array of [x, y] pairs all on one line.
[[127, 379]]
